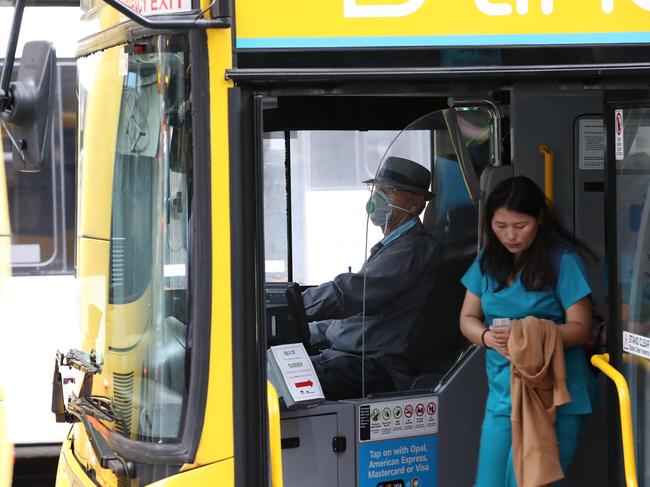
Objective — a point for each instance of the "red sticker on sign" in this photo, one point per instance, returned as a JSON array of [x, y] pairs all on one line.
[[419, 409], [431, 408]]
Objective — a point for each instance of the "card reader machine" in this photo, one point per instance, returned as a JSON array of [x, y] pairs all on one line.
[[289, 366], [286, 319]]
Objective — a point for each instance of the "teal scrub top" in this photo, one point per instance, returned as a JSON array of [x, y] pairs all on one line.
[[516, 302]]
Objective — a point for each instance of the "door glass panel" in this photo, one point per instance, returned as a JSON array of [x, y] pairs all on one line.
[[632, 143]]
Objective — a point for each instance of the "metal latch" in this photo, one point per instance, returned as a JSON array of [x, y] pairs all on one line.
[[339, 444]]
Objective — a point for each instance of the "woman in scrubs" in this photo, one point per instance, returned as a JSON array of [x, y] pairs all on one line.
[[529, 266]]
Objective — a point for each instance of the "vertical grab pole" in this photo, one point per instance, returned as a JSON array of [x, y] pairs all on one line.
[[627, 437], [275, 449], [549, 170]]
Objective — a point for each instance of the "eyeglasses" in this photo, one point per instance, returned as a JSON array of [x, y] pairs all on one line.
[[384, 188]]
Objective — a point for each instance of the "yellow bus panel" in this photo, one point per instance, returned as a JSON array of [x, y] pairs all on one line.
[[219, 473], [217, 439], [69, 472], [382, 23]]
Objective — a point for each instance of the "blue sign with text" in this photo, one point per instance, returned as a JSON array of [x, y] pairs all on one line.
[[401, 462]]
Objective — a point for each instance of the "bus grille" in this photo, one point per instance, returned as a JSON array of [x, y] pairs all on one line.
[[117, 263], [123, 401]]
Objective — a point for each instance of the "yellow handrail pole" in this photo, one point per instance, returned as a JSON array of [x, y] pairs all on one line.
[[275, 441], [602, 363], [549, 170]]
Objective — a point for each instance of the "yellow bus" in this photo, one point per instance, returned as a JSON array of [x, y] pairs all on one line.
[[222, 149]]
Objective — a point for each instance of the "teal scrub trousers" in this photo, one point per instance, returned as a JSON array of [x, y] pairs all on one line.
[[495, 467]]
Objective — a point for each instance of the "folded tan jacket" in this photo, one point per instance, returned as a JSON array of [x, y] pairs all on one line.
[[537, 387]]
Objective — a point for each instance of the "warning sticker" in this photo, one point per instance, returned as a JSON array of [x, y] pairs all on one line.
[[619, 148], [591, 144], [636, 344], [396, 419]]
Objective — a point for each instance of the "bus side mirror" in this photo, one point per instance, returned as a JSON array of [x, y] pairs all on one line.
[[31, 108]]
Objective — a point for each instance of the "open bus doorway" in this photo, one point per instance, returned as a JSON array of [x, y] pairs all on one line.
[[454, 145]]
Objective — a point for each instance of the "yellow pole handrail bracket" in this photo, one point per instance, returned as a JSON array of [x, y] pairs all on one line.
[[627, 437], [549, 170], [274, 435]]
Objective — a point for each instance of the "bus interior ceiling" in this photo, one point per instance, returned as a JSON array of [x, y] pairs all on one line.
[[565, 115]]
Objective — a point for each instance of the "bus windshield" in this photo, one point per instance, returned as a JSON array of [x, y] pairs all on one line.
[[144, 338]]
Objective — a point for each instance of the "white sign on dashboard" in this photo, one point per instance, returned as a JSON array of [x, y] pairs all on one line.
[[298, 372]]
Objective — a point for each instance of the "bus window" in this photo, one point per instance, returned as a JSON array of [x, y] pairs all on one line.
[[150, 184], [41, 204], [327, 201]]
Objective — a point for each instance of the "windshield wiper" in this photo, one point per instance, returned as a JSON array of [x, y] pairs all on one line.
[[89, 415], [96, 406], [88, 409]]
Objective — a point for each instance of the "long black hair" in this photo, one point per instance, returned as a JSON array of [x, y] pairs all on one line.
[[521, 195]]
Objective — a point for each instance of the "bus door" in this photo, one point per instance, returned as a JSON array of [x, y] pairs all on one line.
[[315, 227], [628, 227]]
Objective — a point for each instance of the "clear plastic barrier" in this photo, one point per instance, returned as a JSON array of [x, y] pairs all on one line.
[[412, 294]]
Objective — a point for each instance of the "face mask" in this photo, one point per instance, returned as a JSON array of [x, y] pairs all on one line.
[[378, 208]]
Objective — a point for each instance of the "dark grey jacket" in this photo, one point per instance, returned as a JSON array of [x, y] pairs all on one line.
[[399, 278]]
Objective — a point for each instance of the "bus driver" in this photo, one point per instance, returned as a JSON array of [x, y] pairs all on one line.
[[399, 277]]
